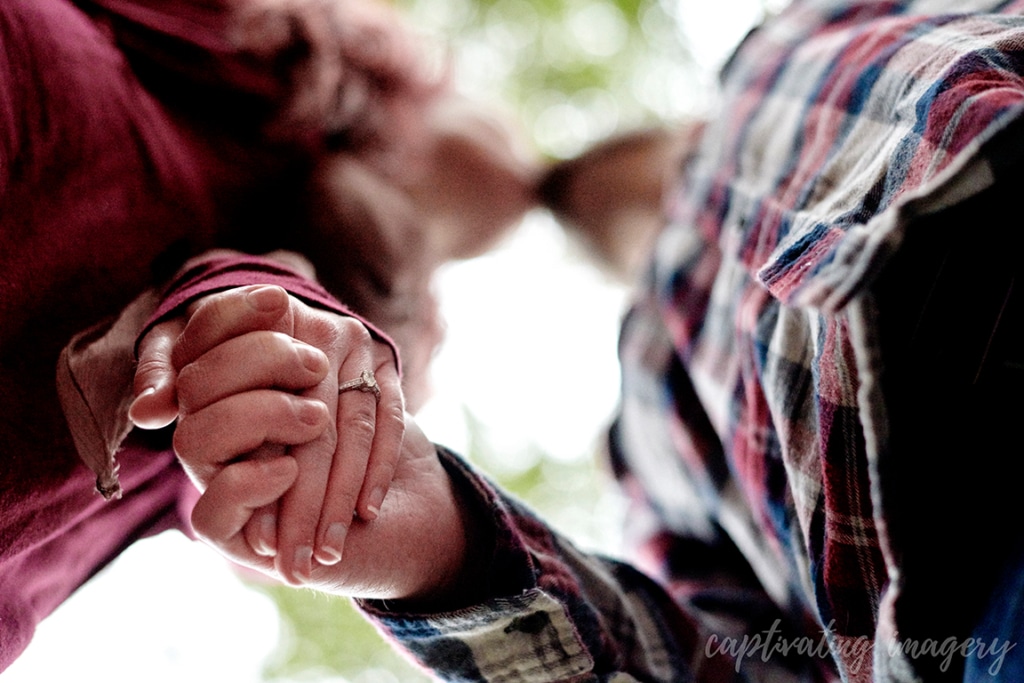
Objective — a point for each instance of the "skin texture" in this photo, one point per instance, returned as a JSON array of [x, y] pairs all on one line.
[[252, 374], [416, 548]]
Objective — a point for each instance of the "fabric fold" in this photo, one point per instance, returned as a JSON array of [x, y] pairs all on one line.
[[94, 382]]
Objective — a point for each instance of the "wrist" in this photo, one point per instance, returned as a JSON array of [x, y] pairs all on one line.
[[461, 577]]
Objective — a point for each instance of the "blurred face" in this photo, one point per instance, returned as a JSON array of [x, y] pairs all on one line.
[[612, 196], [377, 236], [477, 182]]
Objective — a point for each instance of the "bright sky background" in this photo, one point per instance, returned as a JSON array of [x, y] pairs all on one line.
[[530, 348]]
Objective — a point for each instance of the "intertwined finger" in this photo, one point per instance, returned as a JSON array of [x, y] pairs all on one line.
[[356, 420], [260, 359], [387, 437], [228, 504], [301, 508], [225, 315], [216, 435], [258, 378]]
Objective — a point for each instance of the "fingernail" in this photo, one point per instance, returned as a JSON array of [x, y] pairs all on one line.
[[267, 536], [264, 299], [309, 412], [303, 566], [148, 391], [375, 501], [334, 542]]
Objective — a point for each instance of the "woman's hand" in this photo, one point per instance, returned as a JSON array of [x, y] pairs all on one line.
[[253, 373]]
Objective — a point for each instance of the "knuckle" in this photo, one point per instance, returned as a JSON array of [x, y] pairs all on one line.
[[231, 478], [190, 458], [203, 527], [394, 422], [151, 366], [323, 330], [259, 345], [180, 352], [203, 306], [354, 332], [187, 374], [206, 310], [383, 353], [271, 341], [360, 425], [330, 439], [394, 411]]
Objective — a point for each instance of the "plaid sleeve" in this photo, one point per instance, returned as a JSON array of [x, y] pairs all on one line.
[[753, 436], [847, 129], [556, 613]]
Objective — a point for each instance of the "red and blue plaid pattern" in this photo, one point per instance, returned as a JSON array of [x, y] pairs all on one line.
[[752, 428]]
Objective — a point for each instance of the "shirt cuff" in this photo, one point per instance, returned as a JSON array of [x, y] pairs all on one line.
[[517, 631], [525, 638], [217, 272]]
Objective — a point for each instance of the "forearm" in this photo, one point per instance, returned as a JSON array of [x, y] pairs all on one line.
[[548, 611]]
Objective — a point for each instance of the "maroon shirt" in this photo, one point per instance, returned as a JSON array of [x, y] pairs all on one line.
[[103, 193]]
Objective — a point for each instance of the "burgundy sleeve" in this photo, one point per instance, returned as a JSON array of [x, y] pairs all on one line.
[[219, 273]]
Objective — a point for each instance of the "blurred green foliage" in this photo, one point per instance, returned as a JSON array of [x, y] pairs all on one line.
[[323, 638], [572, 71]]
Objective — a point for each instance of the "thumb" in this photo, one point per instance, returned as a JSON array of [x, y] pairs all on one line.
[[156, 402]]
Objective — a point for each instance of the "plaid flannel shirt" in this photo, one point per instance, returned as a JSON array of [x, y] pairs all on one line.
[[754, 437]]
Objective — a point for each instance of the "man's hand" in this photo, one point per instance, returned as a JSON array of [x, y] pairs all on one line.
[[416, 549]]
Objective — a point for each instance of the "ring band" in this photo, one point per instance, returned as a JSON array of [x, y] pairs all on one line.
[[365, 382]]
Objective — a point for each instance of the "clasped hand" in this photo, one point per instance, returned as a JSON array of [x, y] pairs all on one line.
[[336, 491]]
